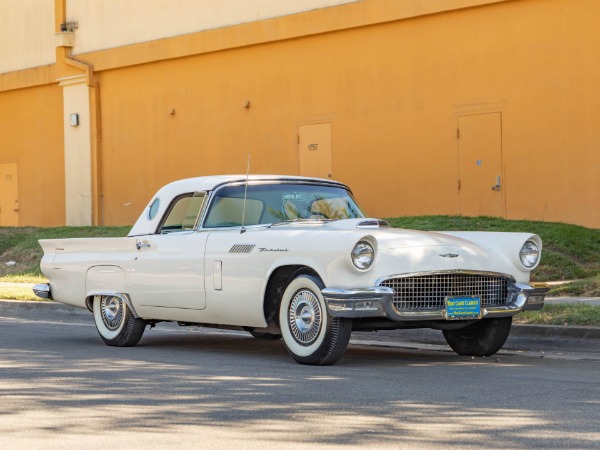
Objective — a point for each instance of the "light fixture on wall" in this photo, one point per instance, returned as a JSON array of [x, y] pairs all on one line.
[[68, 27], [74, 120], [246, 104]]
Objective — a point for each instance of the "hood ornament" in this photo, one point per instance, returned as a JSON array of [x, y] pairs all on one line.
[[450, 255]]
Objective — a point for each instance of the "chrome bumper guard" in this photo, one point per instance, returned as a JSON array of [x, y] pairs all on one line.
[[42, 291], [360, 302], [535, 298], [378, 302]]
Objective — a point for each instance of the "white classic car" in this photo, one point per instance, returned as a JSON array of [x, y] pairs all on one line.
[[292, 257]]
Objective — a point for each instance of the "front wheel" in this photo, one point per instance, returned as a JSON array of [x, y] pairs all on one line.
[[310, 334], [483, 338], [115, 323]]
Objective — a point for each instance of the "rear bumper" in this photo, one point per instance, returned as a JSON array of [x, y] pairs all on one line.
[[42, 291], [378, 302]]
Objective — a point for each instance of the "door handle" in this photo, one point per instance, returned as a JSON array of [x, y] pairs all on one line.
[[498, 186], [139, 245]]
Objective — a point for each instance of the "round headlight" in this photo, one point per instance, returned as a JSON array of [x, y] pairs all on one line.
[[529, 254], [363, 255]]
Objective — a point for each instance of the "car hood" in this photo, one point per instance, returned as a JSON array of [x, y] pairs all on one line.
[[422, 250], [391, 238]]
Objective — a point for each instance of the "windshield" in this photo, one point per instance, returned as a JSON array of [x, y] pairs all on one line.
[[274, 203]]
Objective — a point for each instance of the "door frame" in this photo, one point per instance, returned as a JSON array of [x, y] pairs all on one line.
[[502, 165], [15, 207], [321, 121]]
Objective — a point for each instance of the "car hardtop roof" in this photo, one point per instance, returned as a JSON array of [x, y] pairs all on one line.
[[147, 225], [211, 182]]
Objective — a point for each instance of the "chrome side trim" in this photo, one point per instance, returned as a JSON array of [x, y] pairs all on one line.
[[42, 291], [89, 299]]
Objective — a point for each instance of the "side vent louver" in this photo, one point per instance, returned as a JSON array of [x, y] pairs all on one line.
[[242, 248]]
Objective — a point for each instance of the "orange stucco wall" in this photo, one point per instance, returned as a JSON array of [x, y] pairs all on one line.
[[31, 133], [391, 77], [393, 93]]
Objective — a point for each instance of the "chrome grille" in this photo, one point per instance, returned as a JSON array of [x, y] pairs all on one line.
[[427, 292]]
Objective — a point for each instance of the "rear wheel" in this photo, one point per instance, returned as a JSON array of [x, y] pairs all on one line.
[[310, 334], [115, 323], [483, 338]]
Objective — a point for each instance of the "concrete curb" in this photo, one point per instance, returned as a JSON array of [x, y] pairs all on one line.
[[52, 309], [59, 311], [556, 331]]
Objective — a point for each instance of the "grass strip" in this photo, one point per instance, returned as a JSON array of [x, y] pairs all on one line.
[[18, 293], [562, 314]]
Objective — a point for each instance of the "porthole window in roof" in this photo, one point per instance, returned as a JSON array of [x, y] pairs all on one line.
[[153, 209]]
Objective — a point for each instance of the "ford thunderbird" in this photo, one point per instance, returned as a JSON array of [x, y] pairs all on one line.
[[293, 258]]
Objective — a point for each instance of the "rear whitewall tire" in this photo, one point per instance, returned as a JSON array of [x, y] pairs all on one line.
[[115, 323]]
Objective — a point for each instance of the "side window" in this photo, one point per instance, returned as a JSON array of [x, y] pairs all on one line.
[[183, 213]]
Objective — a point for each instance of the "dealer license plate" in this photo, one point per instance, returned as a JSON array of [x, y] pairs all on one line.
[[462, 308]]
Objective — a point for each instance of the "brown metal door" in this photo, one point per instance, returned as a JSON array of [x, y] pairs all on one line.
[[9, 199], [481, 191], [314, 146]]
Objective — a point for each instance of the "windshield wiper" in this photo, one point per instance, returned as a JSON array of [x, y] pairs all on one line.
[[284, 222]]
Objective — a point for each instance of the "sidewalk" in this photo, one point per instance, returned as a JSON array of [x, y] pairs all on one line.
[[588, 300]]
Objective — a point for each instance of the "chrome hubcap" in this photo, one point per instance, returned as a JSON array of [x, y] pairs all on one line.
[[111, 309], [305, 317]]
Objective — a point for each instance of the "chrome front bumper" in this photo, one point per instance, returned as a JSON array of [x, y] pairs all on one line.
[[378, 302]]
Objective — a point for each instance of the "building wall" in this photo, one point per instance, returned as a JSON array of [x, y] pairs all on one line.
[[395, 80], [393, 94], [114, 23], [31, 136], [26, 34]]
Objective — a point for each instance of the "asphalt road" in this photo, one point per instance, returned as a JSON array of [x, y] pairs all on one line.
[[62, 387]]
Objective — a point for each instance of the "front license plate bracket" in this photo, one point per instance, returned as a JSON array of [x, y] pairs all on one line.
[[462, 308]]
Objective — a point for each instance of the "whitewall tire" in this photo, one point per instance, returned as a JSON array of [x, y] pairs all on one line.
[[310, 334], [115, 323]]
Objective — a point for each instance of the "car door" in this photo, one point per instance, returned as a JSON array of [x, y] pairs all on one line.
[[168, 269], [237, 270]]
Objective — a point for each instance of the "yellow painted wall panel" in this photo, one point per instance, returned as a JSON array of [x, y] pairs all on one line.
[[26, 34], [135, 21], [392, 93], [31, 136]]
